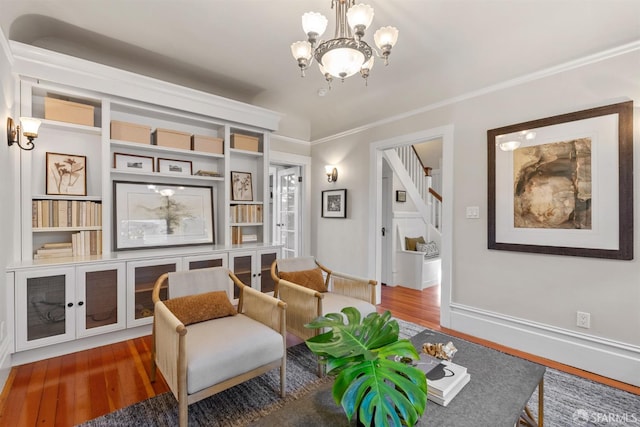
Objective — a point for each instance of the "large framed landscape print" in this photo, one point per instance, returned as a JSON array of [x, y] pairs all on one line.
[[148, 215], [563, 185]]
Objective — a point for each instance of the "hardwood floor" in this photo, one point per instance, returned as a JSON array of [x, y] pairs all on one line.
[[71, 389]]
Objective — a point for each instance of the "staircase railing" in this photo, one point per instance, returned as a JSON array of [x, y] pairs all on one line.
[[435, 208], [418, 174]]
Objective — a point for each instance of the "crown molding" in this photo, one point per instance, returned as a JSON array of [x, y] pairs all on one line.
[[48, 65], [6, 49], [537, 75], [289, 139]]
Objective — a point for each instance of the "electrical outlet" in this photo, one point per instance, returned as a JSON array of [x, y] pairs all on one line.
[[583, 320]]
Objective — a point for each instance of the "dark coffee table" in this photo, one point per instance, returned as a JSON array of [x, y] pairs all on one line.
[[496, 396]]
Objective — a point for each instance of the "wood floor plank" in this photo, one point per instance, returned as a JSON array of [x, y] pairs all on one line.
[[97, 384], [88, 384], [49, 400], [33, 397], [66, 390]]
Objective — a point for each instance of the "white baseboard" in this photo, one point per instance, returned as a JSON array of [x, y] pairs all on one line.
[[5, 361], [56, 350], [609, 358]]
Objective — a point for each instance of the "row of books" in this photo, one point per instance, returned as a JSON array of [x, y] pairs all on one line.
[[237, 237], [445, 379], [246, 213], [66, 213], [87, 242]]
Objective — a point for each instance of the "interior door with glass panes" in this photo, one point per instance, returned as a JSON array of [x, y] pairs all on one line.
[[287, 210]]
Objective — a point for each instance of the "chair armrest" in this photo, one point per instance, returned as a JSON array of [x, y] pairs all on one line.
[[169, 341], [264, 309], [303, 306]]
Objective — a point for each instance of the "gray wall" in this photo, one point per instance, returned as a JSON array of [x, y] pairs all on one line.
[[538, 288]]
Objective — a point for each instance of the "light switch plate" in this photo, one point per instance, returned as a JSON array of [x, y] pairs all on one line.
[[473, 212]]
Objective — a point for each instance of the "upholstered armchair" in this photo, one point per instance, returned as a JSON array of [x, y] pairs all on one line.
[[200, 354], [311, 289]]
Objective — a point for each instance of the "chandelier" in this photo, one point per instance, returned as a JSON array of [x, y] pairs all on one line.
[[347, 53]]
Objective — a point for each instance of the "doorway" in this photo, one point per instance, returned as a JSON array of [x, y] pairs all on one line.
[[377, 206], [289, 203]]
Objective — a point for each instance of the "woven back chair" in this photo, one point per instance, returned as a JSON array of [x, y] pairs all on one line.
[[203, 358], [305, 304]]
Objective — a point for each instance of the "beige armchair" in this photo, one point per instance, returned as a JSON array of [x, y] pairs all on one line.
[[305, 304], [201, 359]]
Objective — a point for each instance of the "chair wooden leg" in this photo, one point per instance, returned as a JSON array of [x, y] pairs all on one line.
[[183, 408], [283, 380]]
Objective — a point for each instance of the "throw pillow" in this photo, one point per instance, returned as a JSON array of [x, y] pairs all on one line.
[[201, 307], [430, 249], [311, 279], [410, 242]]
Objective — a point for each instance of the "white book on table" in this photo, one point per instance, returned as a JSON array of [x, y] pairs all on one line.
[[442, 379], [446, 399]]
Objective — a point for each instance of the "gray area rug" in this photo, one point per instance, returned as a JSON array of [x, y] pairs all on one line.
[[568, 400]]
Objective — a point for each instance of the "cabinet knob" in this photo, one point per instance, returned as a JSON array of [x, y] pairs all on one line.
[[259, 274], [70, 304], [80, 303], [254, 275]]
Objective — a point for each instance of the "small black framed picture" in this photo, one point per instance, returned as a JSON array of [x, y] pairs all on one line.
[[401, 196], [334, 203]]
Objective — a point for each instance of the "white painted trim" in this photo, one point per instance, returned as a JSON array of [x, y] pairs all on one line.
[[602, 356], [6, 49], [5, 360], [375, 205], [63, 69], [289, 139], [305, 197], [547, 72]]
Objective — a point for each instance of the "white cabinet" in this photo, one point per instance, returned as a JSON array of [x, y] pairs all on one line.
[[59, 304], [141, 276], [108, 290], [66, 153], [252, 267], [101, 306]]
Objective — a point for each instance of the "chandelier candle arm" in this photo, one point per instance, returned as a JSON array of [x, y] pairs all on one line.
[[346, 54]]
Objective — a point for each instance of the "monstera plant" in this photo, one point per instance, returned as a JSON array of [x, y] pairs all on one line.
[[371, 381]]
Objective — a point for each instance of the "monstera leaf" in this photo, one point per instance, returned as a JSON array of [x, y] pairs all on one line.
[[369, 381]]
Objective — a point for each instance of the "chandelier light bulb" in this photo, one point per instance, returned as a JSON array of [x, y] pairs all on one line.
[[386, 36], [314, 25], [301, 49], [360, 17]]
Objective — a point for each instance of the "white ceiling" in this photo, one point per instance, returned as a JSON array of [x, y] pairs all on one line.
[[240, 48]]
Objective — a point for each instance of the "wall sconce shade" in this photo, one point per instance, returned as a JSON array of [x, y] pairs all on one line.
[[30, 128], [332, 173]]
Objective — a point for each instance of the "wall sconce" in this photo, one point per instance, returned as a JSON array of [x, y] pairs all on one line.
[[29, 130], [332, 173]]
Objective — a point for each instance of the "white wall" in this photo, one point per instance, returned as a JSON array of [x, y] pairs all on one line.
[[508, 297], [9, 158]]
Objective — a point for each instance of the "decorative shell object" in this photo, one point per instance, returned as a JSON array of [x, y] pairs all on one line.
[[439, 350]]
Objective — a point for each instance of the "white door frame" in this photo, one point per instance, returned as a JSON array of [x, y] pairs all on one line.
[[304, 162], [375, 206]]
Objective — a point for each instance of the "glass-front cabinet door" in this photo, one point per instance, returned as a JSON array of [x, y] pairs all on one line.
[[45, 307], [205, 261], [266, 258], [241, 263], [101, 303], [141, 276]]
